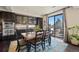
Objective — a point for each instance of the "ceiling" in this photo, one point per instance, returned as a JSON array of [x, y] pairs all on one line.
[[32, 10]]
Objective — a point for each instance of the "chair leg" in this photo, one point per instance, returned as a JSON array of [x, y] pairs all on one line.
[[49, 40], [43, 45], [35, 47], [18, 49], [28, 47]]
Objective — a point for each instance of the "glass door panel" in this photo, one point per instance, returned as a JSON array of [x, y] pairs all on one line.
[[56, 25], [59, 26], [51, 25]]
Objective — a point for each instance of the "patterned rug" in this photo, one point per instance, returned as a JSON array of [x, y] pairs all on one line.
[[57, 45]]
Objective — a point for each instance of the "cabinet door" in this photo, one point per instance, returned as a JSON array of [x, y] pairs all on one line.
[[0, 24], [19, 19], [39, 22], [7, 16], [0, 28], [24, 20]]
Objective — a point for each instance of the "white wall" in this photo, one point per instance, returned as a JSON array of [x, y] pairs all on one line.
[[45, 22], [72, 16]]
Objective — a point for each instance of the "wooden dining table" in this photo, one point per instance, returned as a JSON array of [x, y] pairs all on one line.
[[29, 37]]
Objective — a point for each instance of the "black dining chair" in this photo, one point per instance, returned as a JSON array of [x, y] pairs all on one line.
[[46, 37], [20, 41], [37, 41]]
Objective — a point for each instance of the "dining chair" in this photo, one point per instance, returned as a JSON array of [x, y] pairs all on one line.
[[37, 41], [46, 38], [20, 42]]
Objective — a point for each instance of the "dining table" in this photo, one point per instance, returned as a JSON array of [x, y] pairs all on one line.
[[29, 37]]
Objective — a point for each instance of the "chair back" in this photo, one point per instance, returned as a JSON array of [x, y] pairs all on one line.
[[38, 36], [46, 34], [18, 37]]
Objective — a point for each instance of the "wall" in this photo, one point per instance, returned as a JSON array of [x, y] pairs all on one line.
[[72, 16], [45, 22]]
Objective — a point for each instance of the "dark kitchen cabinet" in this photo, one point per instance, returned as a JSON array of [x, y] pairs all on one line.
[[20, 19], [39, 21], [7, 22], [0, 25], [7, 16]]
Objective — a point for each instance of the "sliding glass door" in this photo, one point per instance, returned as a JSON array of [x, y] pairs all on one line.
[[59, 26], [56, 25], [51, 23]]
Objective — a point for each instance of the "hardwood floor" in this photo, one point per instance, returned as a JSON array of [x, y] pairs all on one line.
[[72, 48], [4, 45], [57, 45], [1, 46]]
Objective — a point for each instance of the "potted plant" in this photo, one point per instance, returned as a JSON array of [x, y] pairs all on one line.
[[74, 39], [74, 36], [37, 28]]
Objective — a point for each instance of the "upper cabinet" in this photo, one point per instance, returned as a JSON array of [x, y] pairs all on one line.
[[21, 19], [18, 19], [25, 20], [7, 16], [31, 21], [39, 21]]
